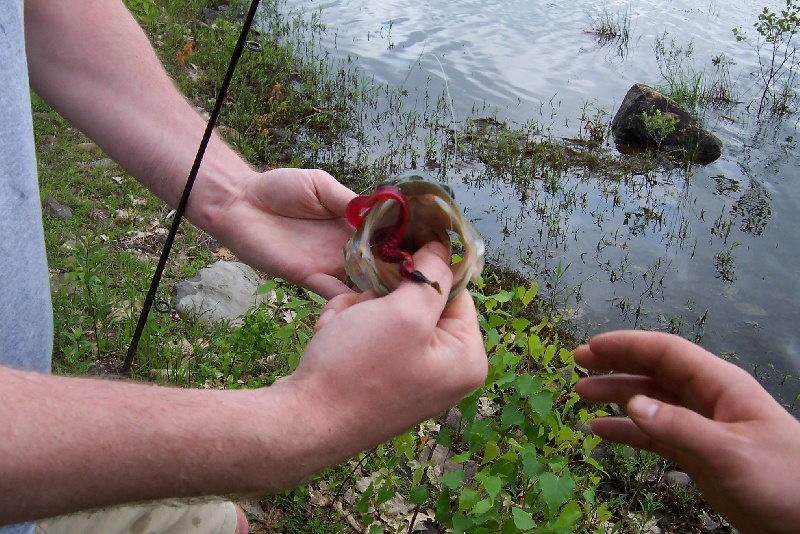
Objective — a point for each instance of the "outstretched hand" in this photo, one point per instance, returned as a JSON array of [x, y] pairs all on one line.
[[379, 365], [290, 223], [740, 447]]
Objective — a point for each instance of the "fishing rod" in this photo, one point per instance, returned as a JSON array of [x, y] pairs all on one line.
[[241, 44]]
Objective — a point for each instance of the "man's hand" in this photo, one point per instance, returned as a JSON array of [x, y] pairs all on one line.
[[378, 366], [740, 447], [290, 223]]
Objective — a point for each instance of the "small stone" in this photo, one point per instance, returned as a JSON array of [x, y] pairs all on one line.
[[123, 216], [678, 479], [98, 214], [47, 143], [87, 147], [102, 163], [57, 210]]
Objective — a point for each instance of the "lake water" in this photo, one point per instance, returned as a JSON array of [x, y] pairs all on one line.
[[712, 253]]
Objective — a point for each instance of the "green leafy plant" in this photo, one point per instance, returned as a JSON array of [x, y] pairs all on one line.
[[517, 457], [777, 56], [659, 125]]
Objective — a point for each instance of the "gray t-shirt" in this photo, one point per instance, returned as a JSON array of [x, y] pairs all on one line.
[[26, 319]]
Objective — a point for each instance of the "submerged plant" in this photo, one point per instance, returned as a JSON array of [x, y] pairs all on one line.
[[613, 29], [688, 84]]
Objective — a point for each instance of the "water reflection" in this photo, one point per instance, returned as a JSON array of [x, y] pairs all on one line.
[[708, 251]]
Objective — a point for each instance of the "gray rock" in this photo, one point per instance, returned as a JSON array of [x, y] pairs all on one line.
[[688, 142], [57, 210], [222, 291], [677, 478]]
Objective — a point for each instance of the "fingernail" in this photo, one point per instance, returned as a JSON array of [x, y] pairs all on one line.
[[643, 407], [324, 318]]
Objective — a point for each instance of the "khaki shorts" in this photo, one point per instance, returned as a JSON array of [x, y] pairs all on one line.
[[162, 517]]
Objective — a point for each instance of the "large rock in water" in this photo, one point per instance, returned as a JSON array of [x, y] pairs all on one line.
[[687, 143]]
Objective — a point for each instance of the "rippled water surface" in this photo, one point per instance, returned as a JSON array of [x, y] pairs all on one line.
[[713, 252]]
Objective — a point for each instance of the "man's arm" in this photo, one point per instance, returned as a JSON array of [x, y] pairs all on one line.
[[93, 64], [71, 443]]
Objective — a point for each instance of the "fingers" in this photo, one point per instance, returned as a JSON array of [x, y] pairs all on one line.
[[339, 304], [332, 195], [619, 389], [420, 303], [693, 375], [326, 286], [649, 353], [676, 433]]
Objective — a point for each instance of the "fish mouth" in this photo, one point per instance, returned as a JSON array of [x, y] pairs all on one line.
[[433, 216]]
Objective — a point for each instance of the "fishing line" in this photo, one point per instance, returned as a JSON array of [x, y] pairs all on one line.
[[241, 44]]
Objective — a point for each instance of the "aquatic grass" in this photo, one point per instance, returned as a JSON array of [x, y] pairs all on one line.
[[686, 83], [613, 29]]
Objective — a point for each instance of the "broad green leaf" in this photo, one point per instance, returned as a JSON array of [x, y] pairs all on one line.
[[522, 519], [293, 360], [443, 513], [481, 507], [504, 296], [384, 494], [490, 452], [511, 416], [535, 348], [285, 332], [460, 458], [530, 294], [419, 494], [497, 320], [569, 515], [549, 352], [492, 338], [527, 384], [461, 523], [492, 484], [468, 498], [444, 438], [531, 466], [542, 403], [519, 324], [453, 479], [555, 490], [363, 503], [266, 287]]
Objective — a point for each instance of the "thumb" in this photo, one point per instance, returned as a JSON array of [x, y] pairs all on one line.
[[674, 429]]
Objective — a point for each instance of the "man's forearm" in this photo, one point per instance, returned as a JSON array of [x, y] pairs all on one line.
[[71, 444], [91, 61]]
